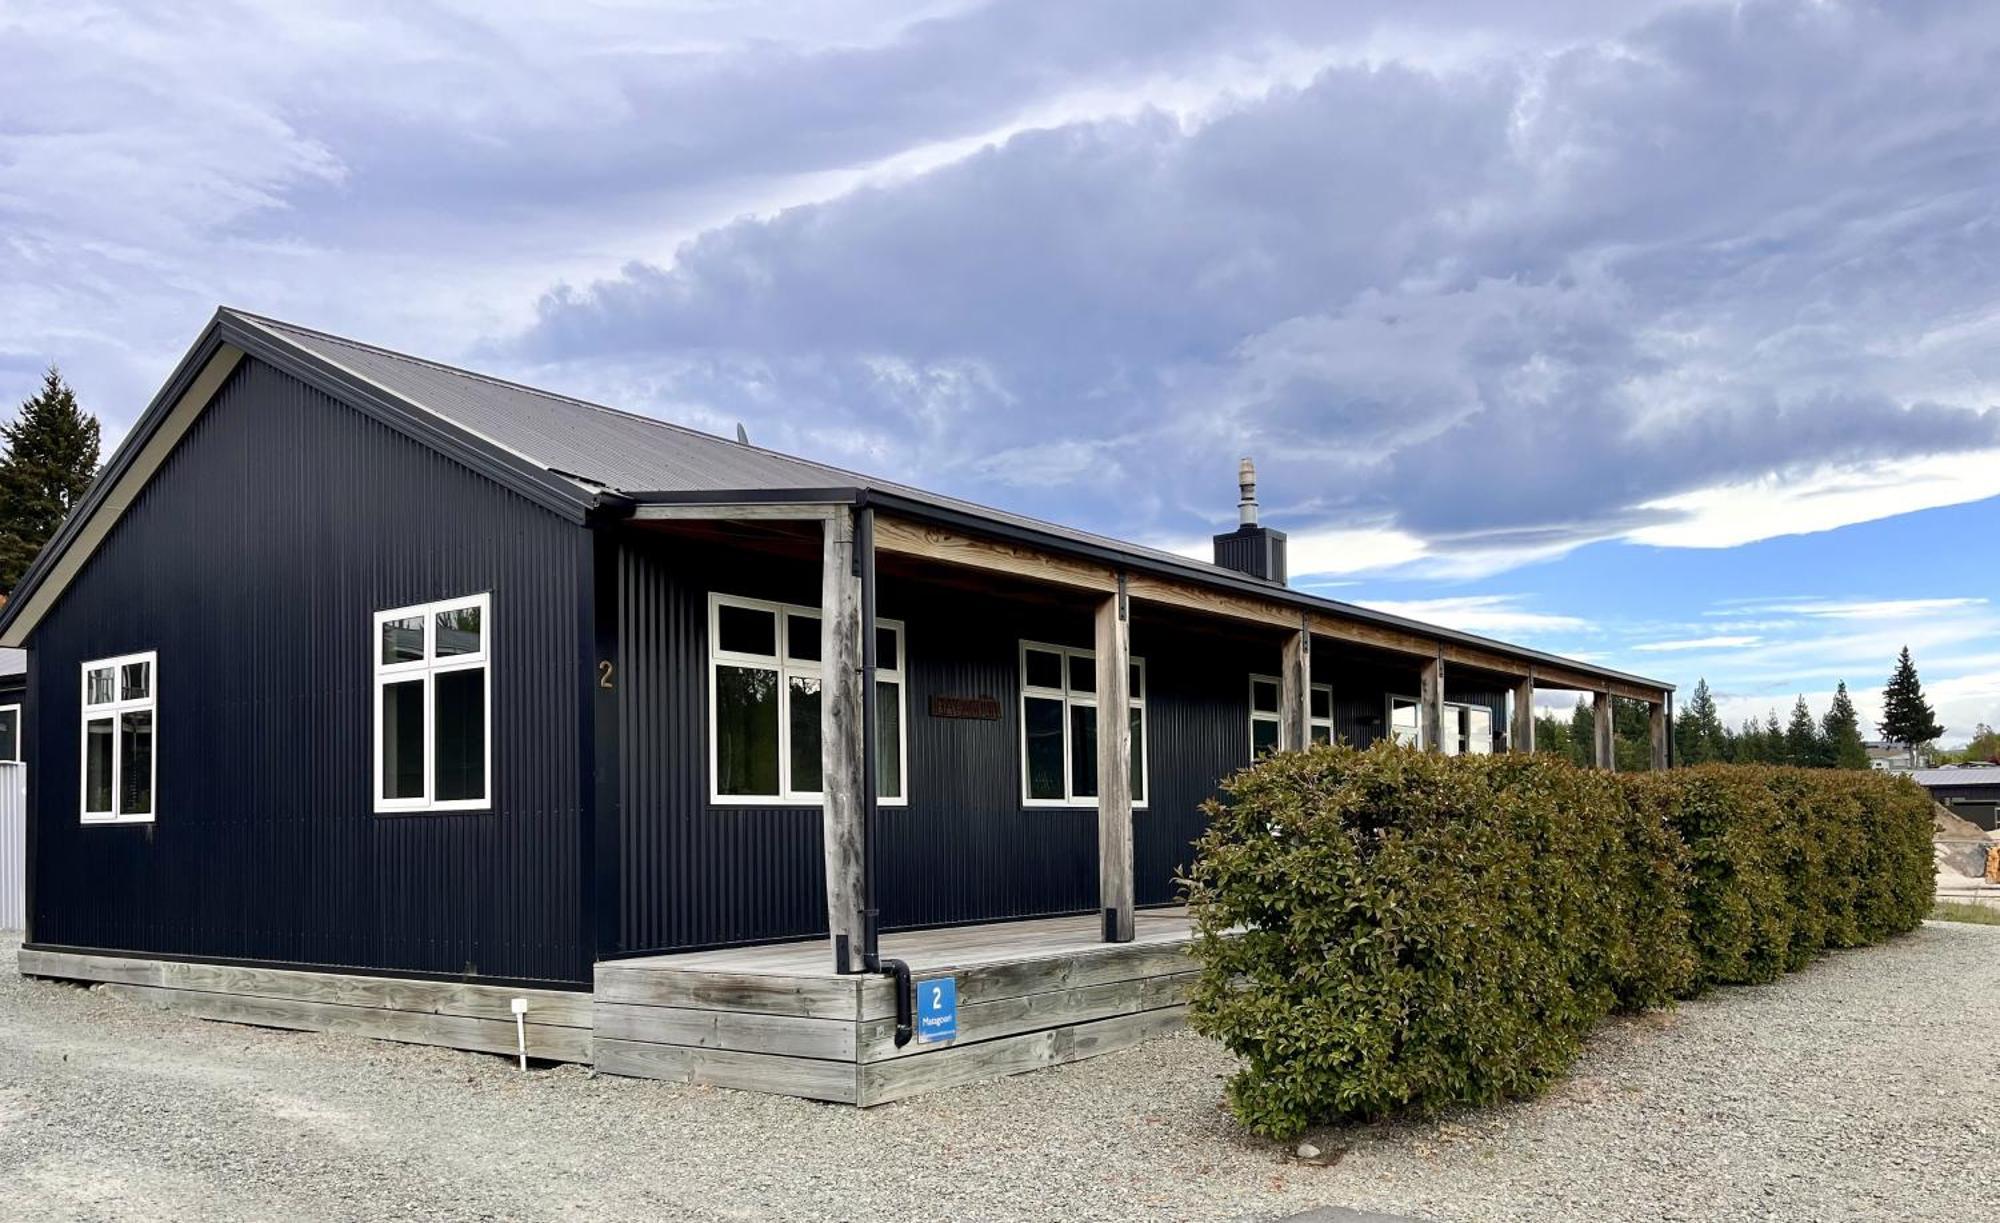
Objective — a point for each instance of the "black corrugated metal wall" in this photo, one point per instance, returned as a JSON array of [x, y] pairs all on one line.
[[253, 563], [965, 849]]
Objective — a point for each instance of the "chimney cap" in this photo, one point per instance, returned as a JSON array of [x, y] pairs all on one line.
[[1246, 483]]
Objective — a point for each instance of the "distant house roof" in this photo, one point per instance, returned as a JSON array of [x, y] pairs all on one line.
[[578, 457], [1955, 776]]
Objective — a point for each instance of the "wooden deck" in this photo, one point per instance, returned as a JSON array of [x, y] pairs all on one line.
[[453, 1014], [773, 1019], [779, 1019]]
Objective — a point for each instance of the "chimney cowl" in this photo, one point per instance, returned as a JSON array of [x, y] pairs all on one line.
[[1251, 549]]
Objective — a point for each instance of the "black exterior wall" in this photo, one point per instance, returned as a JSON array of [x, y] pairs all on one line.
[[253, 563], [965, 848]]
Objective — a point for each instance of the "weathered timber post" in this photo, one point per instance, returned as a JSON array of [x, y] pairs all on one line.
[[1114, 764], [1604, 731], [841, 749], [1430, 698], [1522, 737], [1295, 693], [1658, 711]]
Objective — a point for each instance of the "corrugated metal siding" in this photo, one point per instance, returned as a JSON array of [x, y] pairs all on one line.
[[13, 846], [965, 849], [253, 563]]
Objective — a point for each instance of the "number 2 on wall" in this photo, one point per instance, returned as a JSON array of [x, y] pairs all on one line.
[[604, 673]]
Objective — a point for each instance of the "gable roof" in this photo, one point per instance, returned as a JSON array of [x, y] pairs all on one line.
[[575, 458]]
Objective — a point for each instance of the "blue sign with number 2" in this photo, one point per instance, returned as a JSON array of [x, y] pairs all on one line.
[[937, 1009]]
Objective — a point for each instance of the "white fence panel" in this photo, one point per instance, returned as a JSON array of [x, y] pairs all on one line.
[[13, 846]]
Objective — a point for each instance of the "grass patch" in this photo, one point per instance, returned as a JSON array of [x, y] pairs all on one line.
[[1965, 911]]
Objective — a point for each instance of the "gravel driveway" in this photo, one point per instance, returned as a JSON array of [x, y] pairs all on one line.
[[1859, 1088]]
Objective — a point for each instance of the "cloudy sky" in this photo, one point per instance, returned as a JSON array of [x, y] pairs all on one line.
[[1662, 334]]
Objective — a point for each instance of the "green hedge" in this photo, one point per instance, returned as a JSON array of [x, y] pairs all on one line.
[[1392, 929]]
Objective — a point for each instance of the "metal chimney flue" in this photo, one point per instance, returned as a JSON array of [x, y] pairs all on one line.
[[1251, 548]]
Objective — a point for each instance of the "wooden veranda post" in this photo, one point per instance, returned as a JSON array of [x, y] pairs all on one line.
[[1604, 731], [1114, 765], [1430, 699], [1658, 711], [1523, 737], [840, 740], [1295, 693]]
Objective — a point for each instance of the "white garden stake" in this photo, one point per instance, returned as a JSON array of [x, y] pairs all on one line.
[[521, 1028]]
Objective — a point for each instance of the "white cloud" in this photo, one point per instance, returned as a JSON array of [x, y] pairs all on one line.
[[1491, 614], [1697, 643], [1870, 609], [1728, 515]]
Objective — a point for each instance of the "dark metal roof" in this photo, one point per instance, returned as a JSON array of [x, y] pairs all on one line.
[[1953, 776], [548, 443], [602, 446], [648, 459]]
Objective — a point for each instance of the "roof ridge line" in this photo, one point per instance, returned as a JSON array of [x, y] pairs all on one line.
[[477, 376]]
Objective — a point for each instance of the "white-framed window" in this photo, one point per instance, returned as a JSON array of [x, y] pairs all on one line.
[[1059, 727], [120, 716], [1467, 730], [764, 679], [434, 706], [1265, 698], [10, 734]]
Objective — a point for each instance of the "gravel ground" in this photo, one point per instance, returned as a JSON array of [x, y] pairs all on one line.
[[1857, 1089]]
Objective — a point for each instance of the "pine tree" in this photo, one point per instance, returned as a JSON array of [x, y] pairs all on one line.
[[1802, 740], [1632, 735], [1774, 739], [1907, 718], [1750, 746], [1583, 734], [51, 456], [1842, 729], [1698, 733]]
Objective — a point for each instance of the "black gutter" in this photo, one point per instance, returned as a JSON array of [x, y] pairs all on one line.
[[1109, 554]]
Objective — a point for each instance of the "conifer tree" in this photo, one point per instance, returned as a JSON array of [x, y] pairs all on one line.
[[1842, 729], [1907, 718], [1583, 734], [50, 458], [1802, 739], [1698, 733]]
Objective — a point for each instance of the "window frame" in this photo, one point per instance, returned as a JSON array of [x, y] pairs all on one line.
[[786, 668], [1275, 717], [1071, 700], [1461, 738], [1390, 701], [114, 709], [18, 747], [426, 670]]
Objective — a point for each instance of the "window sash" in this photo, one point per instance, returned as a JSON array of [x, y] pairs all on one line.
[[1414, 728], [1454, 727], [114, 712], [1273, 718], [788, 669], [10, 744], [424, 672], [1071, 699]]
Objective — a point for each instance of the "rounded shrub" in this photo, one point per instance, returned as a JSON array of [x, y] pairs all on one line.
[[1391, 929]]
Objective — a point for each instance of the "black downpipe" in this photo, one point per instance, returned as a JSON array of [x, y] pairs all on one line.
[[871, 947]]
